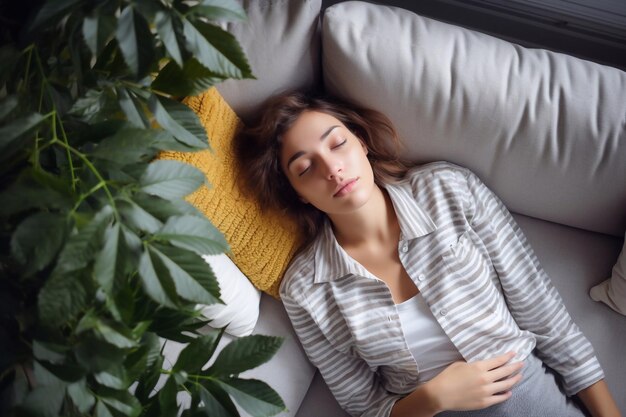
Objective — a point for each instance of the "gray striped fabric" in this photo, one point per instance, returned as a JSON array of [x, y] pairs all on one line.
[[474, 268]]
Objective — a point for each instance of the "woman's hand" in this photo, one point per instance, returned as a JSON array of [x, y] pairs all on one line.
[[472, 386]]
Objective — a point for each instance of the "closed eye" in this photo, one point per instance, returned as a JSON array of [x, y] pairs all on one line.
[[341, 144], [305, 171]]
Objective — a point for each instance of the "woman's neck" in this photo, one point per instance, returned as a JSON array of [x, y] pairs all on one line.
[[374, 223]]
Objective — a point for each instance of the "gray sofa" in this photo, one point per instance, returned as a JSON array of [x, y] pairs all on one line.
[[545, 131]]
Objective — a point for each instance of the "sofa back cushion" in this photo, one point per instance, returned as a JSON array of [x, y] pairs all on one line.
[[282, 43], [546, 131]]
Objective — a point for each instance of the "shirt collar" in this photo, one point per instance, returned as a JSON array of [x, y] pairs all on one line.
[[332, 261]]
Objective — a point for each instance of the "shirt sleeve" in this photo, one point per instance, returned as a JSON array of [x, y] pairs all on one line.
[[533, 301], [354, 385]]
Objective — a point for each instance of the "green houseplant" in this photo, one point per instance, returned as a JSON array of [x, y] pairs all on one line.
[[101, 256]]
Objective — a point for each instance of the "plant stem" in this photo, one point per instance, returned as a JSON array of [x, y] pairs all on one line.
[[93, 169], [45, 84], [87, 194]]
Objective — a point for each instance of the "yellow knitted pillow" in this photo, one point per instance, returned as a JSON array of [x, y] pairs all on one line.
[[262, 244]]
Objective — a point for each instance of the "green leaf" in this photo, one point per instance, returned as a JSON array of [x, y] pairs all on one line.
[[51, 11], [95, 106], [46, 399], [194, 280], [121, 402], [137, 217], [193, 233], [216, 401], [102, 410], [129, 145], [167, 399], [17, 128], [219, 10], [37, 240], [106, 260], [132, 108], [256, 397], [43, 401], [143, 358], [49, 352], [156, 281], [171, 179], [245, 353], [82, 398], [194, 78], [7, 105], [114, 377], [114, 334], [98, 29], [168, 27], [163, 209], [62, 297], [197, 353], [34, 189], [148, 380], [83, 245], [96, 356], [64, 372], [179, 120], [216, 49], [135, 40]]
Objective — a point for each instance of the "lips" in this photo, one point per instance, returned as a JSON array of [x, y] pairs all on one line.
[[345, 187]]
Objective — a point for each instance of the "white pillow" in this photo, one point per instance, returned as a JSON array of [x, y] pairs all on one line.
[[612, 292], [240, 310]]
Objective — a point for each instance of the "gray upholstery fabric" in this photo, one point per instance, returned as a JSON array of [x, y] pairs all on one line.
[[576, 260], [546, 131], [281, 40]]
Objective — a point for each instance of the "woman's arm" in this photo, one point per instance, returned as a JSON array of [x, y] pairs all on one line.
[[354, 385], [531, 298], [598, 400], [462, 386]]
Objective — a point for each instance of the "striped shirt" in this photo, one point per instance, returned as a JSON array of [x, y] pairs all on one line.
[[477, 273]]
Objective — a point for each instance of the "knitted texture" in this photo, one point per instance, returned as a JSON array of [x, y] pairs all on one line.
[[262, 243]]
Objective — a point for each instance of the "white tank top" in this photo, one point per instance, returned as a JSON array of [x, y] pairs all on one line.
[[431, 347]]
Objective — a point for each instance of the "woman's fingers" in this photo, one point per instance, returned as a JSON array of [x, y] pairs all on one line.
[[496, 399], [505, 371], [498, 361], [505, 385]]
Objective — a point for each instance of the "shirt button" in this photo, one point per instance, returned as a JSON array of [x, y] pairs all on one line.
[[443, 312], [405, 248], [421, 277]]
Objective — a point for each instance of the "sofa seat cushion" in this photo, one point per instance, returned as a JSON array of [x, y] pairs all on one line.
[[575, 260], [513, 115]]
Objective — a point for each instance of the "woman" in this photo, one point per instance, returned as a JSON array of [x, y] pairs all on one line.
[[416, 294]]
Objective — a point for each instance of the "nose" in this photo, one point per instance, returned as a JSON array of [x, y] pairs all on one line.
[[333, 168]]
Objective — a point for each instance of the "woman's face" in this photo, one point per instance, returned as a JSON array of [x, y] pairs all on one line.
[[326, 164]]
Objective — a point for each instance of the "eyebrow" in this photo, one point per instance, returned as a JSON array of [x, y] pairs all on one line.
[[300, 153]]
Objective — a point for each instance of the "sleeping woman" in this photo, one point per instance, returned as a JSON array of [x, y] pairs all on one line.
[[415, 293]]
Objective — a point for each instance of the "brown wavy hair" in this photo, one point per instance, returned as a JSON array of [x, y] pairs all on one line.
[[257, 150]]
